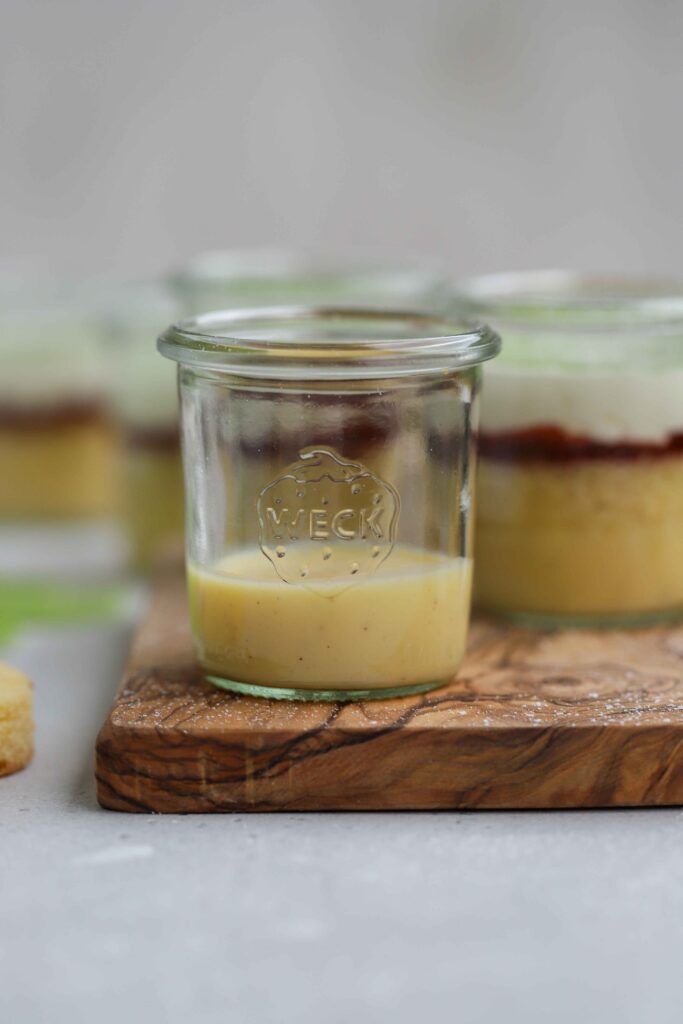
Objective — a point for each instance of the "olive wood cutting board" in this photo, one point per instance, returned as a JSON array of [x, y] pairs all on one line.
[[534, 720]]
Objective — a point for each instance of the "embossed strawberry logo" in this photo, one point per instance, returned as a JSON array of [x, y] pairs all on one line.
[[326, 517]]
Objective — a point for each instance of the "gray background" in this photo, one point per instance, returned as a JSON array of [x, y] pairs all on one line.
[[497, 134]]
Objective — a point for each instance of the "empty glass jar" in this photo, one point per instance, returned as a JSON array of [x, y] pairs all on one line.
[[328, 466]]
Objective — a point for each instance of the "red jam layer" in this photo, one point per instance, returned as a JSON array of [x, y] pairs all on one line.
[[552, 444], [74, 412], [158, 439]]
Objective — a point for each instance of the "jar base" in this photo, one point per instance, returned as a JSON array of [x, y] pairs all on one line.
[[335, 696], [549, 621]]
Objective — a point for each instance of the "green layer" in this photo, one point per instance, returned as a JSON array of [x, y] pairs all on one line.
[[25, 603]]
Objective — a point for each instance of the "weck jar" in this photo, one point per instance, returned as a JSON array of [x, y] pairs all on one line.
[[580, 488], [329, 458]]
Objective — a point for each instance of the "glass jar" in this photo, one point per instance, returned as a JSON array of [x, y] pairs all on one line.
[[146, 403], [580, 488], [270, 277], [328, 463], [59, 455]]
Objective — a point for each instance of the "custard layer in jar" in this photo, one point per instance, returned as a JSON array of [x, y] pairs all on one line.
[[580, 494], [57, 461]]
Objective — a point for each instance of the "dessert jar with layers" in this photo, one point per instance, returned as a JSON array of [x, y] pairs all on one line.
[[59, 453], [270, 277], [580, 488], [328, 462], [145, 399]]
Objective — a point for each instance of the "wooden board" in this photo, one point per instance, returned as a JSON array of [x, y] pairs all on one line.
[[572, 719]]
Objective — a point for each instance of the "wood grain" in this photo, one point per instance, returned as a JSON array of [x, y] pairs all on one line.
[[534, 720]]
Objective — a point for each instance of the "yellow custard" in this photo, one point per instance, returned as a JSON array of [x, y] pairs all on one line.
[[66, 471], [153, 503], [599, 537], [403, 625]]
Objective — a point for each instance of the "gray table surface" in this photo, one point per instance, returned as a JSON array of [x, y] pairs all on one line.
[[321, 917]]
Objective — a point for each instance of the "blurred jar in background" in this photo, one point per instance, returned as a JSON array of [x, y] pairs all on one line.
[[580, 489], [233, 279], [58, 443], [145, 399]]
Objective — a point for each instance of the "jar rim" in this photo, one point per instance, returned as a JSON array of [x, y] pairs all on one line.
[[572, 300], [314, 342]]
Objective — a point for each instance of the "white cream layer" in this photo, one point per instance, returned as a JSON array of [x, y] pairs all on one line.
[[642, 405], [47, 359]]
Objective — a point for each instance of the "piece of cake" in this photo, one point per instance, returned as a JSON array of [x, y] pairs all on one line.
[[16, 720]]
